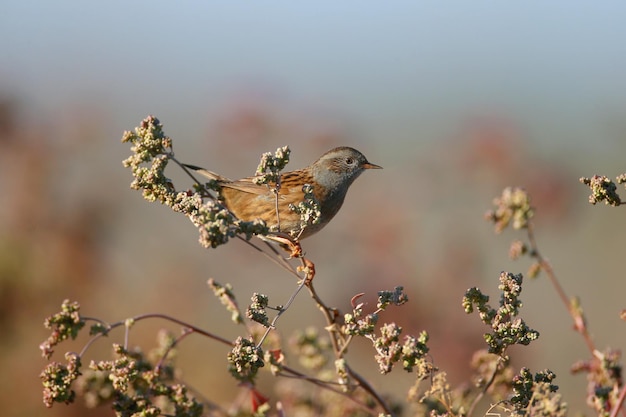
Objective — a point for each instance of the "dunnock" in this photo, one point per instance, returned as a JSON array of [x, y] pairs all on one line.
[[330, 176]]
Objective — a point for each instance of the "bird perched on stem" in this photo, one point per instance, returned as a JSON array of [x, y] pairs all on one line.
[[278, 204]]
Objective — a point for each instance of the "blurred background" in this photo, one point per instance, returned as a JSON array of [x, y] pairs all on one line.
[[455, 101]]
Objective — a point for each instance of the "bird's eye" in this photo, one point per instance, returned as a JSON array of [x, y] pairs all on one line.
[[349, 160]]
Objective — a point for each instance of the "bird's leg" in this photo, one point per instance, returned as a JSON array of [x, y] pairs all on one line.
[[288, 243], [294, 248]]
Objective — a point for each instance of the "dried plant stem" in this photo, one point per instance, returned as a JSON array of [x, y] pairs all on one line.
[[327, 386], [369, 389], [339, 347], [620, 401], [281, 261], [281, 311], [186, 332], [345, 345], [482, 393], [190, 329], [579, 322], [330, 314]]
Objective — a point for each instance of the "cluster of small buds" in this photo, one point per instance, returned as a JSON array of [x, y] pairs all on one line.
[[511, 287], [414, 351], [493, 373], [534, 269], [438, 396], [227, 298], [341, 370], [187, 203], [150, 146], [603, 189], [95, 387], [536, 395], [129, 380], [311, 348], [512, 208], [474, 298], [215, 223], [517, 249], [99, 328], [507, 329], [148, 141], [64, 325], [354, 325], [270, 166], [245, 359], [256, 310], [396, 297], [184, 403], [275, 359], [151, 152], [140, 387], [253, 228], [390, 351], [122, 371], [154, 184], [309, 209], [604, 375], [57, 380], [164, 352], [387, 347]]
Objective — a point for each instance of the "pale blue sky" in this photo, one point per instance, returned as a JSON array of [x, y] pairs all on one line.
[[558, 67]]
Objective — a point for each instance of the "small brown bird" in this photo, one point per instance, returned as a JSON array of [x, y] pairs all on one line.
[[330, 176]]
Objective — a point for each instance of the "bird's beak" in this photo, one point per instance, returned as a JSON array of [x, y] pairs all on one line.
[[369, 165]]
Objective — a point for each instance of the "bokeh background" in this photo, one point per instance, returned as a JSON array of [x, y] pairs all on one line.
[[455, 100]]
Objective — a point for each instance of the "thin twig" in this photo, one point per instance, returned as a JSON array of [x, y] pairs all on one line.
[[620, 401], [579, 324], [126, 335], [194, 329], [336, 337], [371, 391], [326, 385], [330, 316], [345, 345], [186, 332], [482, 393], [198, 395], [281, 311], [89, 343]]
